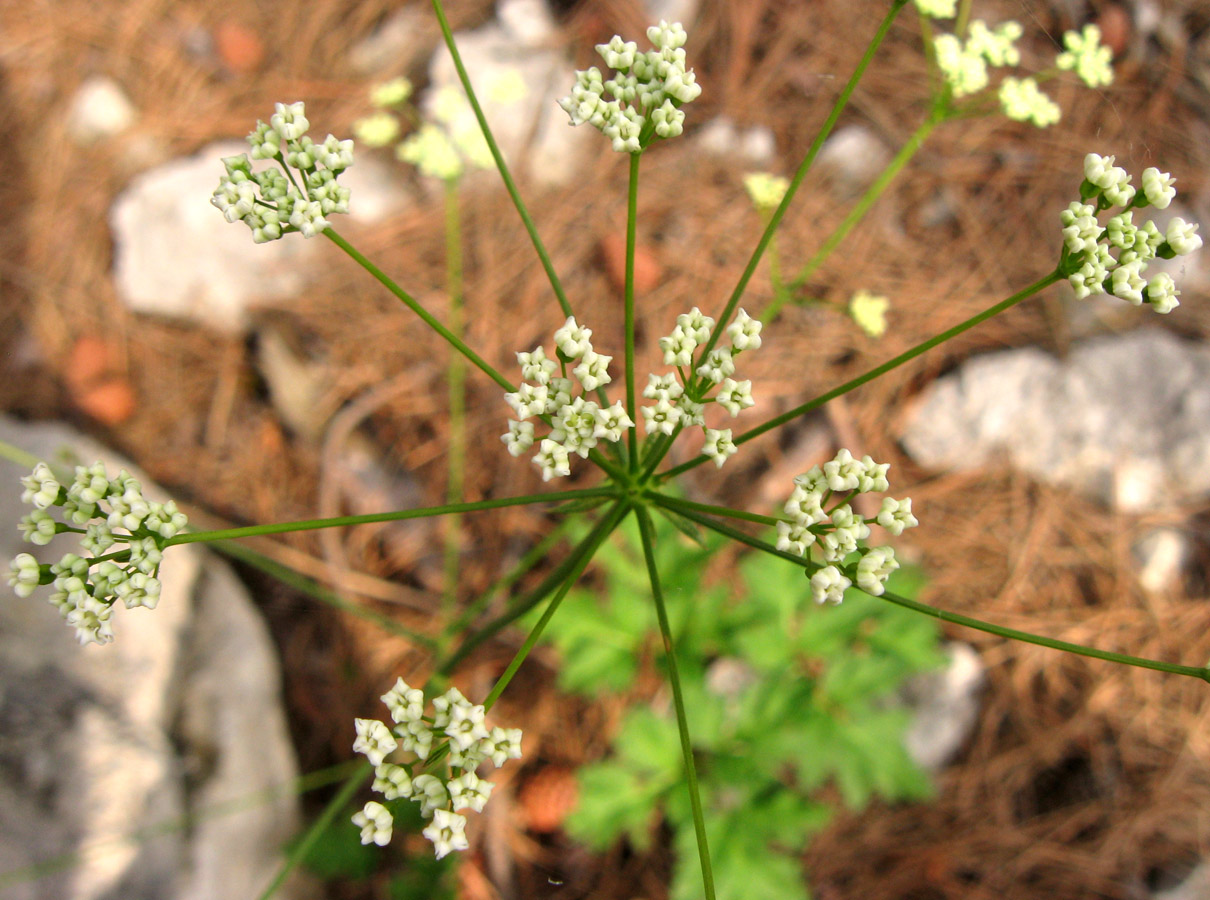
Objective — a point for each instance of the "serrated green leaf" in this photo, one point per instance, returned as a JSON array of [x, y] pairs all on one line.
[[613, 800]]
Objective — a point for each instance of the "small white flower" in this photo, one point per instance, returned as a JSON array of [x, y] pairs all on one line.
[[719, 446], [1162, 293], [552, 459], [805, 504], [431, 792], [1087, 57], [692, 412], [874, 477], [663, 387], [392, 781], [375, 823], [24, 575], [938, 9], [469, 791], [536, 367], [734, 395], [794, 537], [593, 370], [1182, 237], [573, 339], [719, 364], [505, 745], [90, 618], [678, 347], [415, 737], [843, 473], [611, 422], [744, 332], [289, 121], [38, 527], [828, 585], [465, 726], [874, 568], [1157, 187], [41, 487], [869, 312], [374, 740], [447, 832], [896, 515], [663, 417], [520, 437], [696, 324], [1128, 282], [1023, 101], [405, 703], [766, 191]]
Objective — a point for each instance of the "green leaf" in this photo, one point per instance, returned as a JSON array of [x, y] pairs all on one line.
[[613, 800], [339, 853], [650, 744]]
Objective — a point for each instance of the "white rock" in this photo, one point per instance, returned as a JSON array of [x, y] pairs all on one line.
[[392, 46], [945, 708], [175, 255], [1124, 419], [100, 109], [180, 713], [683, 11], [528, 22], [855, 154], [753, 146]]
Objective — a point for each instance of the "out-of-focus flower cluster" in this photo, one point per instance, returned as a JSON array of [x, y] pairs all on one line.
[[123, 535], [1111, 258], [297, 196], [820, 516], [647, 90], [450, 745], [964, 62]]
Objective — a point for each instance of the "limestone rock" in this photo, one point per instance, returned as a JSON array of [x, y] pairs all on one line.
[[1124, 419], [179, 715]]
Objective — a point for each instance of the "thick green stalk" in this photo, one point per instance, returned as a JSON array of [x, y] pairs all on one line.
[[318, 827], [647, 536], [501, 165], [632, 198], [855, 215], [411, 303], [955, 618], [457, 388], [775, 219], [609, 522], [395, 516], [875, 372]]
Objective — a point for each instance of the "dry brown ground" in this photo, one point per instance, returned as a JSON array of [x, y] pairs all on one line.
[[1082, 780]]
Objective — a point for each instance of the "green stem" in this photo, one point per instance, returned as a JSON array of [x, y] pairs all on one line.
[[632, 198], [647, 536], [395, 516], [452, 339], [955, 618], [579, 555], [679, 504], [857, 382], [597, 537], [856, 214], [501, 165], [457, 389], [318, 827], [775, 219]]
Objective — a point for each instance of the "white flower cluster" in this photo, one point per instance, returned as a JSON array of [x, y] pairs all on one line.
[[938, 9], [1087, 57], [1111, 258], [964, 64], [837, 532], [273, 202], [577, 424], [674, 406], [648, 90], [469, 743], [113, 516]]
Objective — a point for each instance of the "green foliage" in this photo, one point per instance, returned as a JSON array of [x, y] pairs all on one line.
[[786, 697]]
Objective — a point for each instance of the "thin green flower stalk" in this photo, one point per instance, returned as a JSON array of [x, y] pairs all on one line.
[[678, 699]]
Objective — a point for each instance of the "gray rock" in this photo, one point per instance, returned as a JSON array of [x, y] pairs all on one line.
[[99, 109], [721, 137], [683, 11], [99, 744], [1124, 420], [400, 42], [855, 154], [528, 22], [945, 708], [175, 255], [1196, 886]]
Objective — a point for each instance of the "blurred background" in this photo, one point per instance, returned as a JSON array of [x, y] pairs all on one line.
[[1058, 471]]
